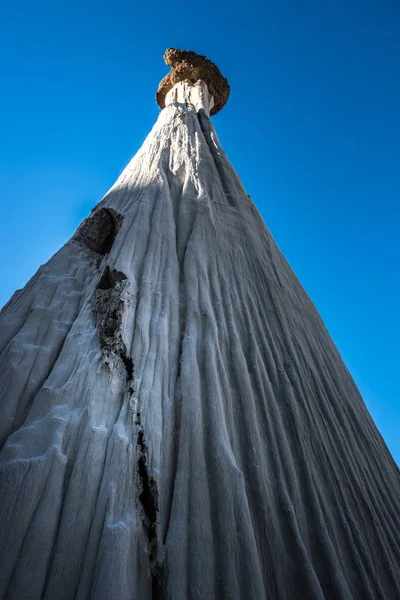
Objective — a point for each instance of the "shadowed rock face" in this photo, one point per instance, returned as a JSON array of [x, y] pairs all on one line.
[[175, 420]]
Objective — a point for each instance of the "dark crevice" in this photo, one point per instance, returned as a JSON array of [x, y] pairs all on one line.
[[148, 497], [108, 304], [179, 368], [110, 278], [159, 583], [128, 362], [98, 232]]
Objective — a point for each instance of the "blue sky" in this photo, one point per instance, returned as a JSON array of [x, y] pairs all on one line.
[[312, 127]]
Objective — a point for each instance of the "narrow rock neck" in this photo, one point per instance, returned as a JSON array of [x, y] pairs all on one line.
[[196, 94]]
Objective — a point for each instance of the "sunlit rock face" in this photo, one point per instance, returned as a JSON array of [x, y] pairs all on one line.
[[196, 96], [175, 420]]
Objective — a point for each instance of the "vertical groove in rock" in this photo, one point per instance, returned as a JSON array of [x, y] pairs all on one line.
[[148, 496]]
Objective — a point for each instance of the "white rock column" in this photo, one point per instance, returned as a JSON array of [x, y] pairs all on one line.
[[192, 94], [175, 420]]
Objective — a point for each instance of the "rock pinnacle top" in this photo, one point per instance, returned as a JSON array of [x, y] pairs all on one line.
[[187, 65]]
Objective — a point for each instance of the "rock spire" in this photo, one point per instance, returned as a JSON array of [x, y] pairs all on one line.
[[175, 420]]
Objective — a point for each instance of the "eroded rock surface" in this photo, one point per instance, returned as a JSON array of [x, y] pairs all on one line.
[[189, 66], [98, 231], [176, 421]]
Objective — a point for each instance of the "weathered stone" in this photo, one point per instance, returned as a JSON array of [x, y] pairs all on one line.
[[187, 65], [175, 419], [98, 231]]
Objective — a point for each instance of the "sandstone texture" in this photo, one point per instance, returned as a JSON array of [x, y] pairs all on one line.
[[175, 420], [189, 66]]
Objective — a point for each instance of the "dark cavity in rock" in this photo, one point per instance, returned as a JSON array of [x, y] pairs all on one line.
[[129, 366], [110, 278], [148, 497], [108, 304], [98, 231]]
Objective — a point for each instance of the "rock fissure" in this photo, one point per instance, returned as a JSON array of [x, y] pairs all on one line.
[[148, 497], [109, 300], [110, 278], [128, 362], [108, 303]]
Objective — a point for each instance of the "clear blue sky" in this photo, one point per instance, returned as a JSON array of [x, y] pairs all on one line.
[[312, 127]]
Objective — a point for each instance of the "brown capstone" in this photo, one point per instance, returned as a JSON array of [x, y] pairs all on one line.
[[187, 65]]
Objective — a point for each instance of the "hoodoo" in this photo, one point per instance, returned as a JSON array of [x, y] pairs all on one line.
[[175, 420]]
